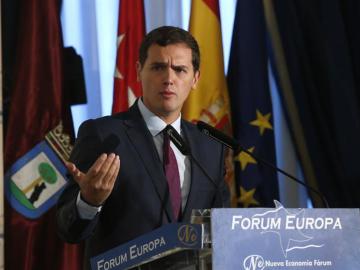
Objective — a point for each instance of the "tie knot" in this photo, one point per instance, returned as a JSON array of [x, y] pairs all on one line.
[[165, 133], [166, 144]]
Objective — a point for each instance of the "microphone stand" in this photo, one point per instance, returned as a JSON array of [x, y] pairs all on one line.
[[267, 163], [234, 144]]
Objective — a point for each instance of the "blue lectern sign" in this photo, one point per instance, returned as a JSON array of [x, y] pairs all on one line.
[[160, 242], [280, 238]]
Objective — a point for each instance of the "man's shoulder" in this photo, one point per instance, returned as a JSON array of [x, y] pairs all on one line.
[[130, 114], [104, 120], [189, 127], [187, 123], [109, 123], [197, 137]]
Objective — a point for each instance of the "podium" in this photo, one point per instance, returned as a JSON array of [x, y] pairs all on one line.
[[285, 238], [175, 246], [246, 239]]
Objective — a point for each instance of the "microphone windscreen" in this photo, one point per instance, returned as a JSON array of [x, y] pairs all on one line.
[[110, 143], [217, 135], [176, 138]]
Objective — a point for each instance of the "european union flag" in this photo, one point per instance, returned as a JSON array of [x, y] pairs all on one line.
[[257, 184]]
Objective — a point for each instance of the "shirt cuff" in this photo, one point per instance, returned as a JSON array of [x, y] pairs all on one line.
[[85, 210]]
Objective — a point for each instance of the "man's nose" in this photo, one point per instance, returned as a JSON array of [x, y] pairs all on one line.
[[169, 76]]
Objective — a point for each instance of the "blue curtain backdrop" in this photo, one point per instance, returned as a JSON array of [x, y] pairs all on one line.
[[320, 42]]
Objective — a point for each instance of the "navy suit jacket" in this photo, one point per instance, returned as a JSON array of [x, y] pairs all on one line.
[[139, 202]]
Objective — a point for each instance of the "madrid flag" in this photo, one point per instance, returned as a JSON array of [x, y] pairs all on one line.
[[131, 30], [35, 177]]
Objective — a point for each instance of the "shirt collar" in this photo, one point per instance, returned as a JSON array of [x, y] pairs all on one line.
[[154, 123]]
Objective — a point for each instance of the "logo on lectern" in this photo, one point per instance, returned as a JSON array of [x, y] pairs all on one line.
[[188, 235], [254, 262]]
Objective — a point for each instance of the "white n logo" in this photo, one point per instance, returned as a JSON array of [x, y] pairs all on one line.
[[254, 262]]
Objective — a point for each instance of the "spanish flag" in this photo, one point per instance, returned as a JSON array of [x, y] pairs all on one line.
[[209, 102]]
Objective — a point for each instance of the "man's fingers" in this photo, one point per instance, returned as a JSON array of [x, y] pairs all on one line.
[[104, 169], [75, 172], [96, 167], [116, 173], [113, 171], [70, 166]]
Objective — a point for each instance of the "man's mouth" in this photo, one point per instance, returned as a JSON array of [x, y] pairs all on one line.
[[167, 93]]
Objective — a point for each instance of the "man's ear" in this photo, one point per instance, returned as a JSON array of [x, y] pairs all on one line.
[[196, 79], [138, 70]]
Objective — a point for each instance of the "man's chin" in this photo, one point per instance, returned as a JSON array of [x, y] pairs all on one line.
[[169, 107], [169, 112]]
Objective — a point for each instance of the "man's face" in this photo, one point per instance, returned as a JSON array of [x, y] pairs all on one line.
[[167, 78]]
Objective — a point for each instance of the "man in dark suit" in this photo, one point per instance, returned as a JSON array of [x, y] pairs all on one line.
[[108, 204]]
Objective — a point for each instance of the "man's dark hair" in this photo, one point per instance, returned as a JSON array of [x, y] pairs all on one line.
[[168, 35]]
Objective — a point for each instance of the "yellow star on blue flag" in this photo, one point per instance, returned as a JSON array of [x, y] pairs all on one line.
[[262, 121], [247, 197], [245, 158]]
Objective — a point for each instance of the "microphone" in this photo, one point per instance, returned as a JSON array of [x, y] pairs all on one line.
[[233, 144], [176, 138], [184, 148], [110, 143], [218, 136]]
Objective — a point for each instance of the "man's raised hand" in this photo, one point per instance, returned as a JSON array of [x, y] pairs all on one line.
[[97, 184]]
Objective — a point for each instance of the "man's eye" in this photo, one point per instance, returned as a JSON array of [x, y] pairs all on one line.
[[157, 68], [180, 70]]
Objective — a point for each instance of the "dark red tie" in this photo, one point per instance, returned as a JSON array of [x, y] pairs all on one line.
[[172, 175]]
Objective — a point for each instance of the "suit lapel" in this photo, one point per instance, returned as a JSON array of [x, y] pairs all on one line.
[[143, 142], [193, 139]]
